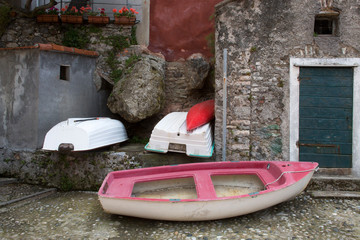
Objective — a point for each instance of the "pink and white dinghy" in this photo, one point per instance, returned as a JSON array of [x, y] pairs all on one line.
[[203, 191]]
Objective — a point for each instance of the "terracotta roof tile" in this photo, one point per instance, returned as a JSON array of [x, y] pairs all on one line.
[[57, 48]]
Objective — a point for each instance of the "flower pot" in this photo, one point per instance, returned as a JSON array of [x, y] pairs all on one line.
[[71, 19], [125, 20], [98, 19], [47, 18]]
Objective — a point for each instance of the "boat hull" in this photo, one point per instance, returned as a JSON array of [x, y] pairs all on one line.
[[84, 134], [204, 208], [170, 134]]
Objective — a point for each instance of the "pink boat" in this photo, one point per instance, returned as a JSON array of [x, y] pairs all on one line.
[[203, 191]]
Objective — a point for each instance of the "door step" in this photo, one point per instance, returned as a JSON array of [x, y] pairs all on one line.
[[334, 183], [334, 194]]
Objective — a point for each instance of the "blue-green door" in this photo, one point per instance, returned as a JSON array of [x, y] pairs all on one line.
[[325, 118]]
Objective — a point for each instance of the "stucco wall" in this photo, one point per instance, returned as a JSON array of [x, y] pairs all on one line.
[[261, 38], [179, 28], [60, 99], [18, 94], [34, 99]]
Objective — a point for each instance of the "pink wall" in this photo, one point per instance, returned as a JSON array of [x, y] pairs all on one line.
[[179, 28]]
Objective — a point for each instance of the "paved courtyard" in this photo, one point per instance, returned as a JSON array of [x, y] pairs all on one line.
[[78, 215]]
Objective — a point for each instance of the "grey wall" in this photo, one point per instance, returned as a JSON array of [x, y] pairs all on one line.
[[261, 37], [60, 99], [18, 98], [33, 98]]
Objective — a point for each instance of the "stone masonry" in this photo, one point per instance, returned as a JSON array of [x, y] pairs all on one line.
[[261, 37]]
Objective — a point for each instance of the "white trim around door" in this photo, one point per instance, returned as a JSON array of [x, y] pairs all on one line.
[[295, 64]]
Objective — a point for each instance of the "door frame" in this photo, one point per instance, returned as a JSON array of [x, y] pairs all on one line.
[[295, 64]]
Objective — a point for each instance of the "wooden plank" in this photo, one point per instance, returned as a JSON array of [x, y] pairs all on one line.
[[326, 71], [325, 81], [325, 102], [328, 113], [325, 136], [328, 160], [326, 91], [321, 123], [343, 148]]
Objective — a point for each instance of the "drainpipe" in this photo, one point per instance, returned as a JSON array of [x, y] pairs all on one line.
[[224, 104]]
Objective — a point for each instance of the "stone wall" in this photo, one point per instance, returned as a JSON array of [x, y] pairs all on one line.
[[261, 37], [82, 170], [27, 32]]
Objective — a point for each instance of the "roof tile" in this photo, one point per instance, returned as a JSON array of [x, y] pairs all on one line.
[[57, 48]]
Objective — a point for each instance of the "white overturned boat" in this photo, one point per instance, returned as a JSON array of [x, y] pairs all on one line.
[[81, 134], [170, 134]]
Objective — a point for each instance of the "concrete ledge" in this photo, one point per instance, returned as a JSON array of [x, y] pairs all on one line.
[[334, 194], [83, 170]]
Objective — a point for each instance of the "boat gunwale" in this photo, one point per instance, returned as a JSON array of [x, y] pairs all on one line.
[[287, 180]]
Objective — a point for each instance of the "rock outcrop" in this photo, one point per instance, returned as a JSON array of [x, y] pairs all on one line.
[[140, 93]]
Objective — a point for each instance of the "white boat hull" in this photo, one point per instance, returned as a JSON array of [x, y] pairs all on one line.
[[85, 134], [170, 134], [202, 210]]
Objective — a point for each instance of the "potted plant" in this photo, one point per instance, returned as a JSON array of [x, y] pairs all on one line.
[[49, 15], [73, 15], [99, 17], [125, 16]]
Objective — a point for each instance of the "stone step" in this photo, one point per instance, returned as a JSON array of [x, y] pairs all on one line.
[[334, 194], [334, 183], [4, 181], [12, 192]]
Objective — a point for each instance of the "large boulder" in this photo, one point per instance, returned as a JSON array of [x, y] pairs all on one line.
[[197, 69], [140, 92]]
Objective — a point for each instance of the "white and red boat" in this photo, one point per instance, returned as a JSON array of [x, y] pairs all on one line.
[[203, 191], [170, 135]]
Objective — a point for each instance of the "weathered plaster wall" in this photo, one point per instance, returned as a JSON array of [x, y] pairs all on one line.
[[34, 99], [60, 99], [19, 103], [261, 37]]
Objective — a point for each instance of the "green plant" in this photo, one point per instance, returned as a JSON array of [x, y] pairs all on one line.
[[66, 184], [75, 37], [118, 43], [253, 49], [136, 139], [50, 11], [4, 18], [133, 40], [132, 60], [211, 42], [101, 12]]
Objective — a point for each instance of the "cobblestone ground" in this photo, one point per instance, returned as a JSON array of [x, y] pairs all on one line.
[[78, 215]]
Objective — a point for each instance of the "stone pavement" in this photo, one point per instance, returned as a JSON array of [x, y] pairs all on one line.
[[78, 215]]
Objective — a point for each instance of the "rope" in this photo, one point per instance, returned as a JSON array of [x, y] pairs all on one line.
[[290, 172]]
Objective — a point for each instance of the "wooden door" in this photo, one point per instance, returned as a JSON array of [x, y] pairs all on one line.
[[325, 117]]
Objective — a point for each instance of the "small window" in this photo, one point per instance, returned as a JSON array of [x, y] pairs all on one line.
[[326, 25], [64, 72]]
